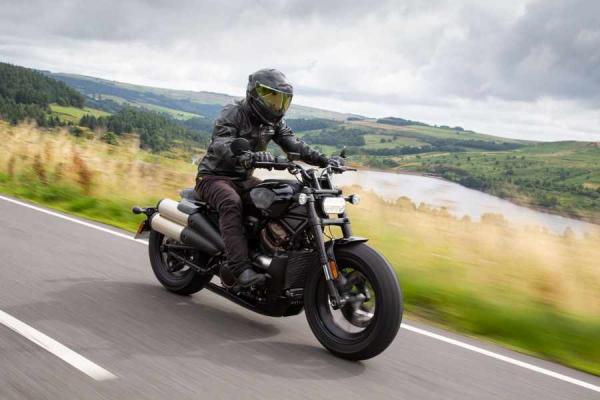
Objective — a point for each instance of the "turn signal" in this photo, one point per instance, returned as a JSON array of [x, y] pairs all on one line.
[[333, 269]]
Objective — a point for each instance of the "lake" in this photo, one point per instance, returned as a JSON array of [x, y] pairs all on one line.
[[457, 199]]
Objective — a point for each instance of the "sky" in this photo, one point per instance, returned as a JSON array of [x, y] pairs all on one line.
[[523, 69]]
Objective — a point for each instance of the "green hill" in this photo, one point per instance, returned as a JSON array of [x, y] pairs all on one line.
[[27, 94], [183, 104], [562, 177]]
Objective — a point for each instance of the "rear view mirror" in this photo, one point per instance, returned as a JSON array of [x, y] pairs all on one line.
[[239, 146], [343, 152]]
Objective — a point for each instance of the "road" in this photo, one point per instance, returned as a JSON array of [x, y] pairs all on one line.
[[92, 291]]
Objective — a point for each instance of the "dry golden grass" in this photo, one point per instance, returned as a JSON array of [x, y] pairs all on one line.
[[501, 261], [100, 169]]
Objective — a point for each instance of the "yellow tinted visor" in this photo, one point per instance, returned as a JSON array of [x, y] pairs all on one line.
[[276, 99]]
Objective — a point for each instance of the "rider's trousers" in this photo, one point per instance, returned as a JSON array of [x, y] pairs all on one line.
[[226, 196]]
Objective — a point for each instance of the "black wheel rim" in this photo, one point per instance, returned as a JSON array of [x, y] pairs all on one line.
[[356, 318], [174, 266]]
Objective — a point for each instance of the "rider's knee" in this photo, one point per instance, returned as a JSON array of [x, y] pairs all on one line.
[[231, 205]]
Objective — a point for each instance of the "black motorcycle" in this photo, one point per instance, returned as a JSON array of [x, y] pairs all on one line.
[[348, 290]]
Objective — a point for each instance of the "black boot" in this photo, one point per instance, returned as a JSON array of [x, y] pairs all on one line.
[[241, 275], [249, 277]]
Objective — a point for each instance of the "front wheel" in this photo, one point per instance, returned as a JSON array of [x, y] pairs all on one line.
[[369, 320], [170, 268]]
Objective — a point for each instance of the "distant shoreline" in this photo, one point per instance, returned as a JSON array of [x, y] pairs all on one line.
[[514, 200]]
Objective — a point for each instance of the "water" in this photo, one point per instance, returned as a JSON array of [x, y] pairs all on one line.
[[458, 200]]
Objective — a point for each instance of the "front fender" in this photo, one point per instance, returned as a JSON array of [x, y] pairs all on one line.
[[346, 241]]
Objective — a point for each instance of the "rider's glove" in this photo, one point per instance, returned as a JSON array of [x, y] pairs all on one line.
[[336, 162], [263, 156], [245, 160]]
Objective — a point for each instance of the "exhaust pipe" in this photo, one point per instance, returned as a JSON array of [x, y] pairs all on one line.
[[182, 234], [168, 209], [168, 228], [193, 230]]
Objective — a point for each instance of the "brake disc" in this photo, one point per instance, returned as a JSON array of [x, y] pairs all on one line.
[[354, 309]]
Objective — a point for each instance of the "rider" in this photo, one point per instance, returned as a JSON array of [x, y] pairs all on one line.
[[221, 178]]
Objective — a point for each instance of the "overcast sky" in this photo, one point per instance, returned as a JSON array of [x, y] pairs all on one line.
[[527, 69]]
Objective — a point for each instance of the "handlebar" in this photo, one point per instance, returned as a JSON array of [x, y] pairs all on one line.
[[282, 163]]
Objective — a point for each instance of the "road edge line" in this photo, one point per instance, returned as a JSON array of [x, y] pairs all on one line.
[[501, 357], [61, 351]]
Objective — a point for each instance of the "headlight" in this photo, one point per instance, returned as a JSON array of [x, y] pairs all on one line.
[[334, 205]]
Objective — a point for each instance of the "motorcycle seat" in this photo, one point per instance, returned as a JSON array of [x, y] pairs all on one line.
[[191, 195]]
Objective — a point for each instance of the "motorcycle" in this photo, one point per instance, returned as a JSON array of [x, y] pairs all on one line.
[[348, 290]]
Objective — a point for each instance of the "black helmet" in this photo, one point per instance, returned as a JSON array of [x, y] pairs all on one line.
[[269, 94]]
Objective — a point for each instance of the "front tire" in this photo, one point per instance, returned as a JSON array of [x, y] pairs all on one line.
[[363, 337], [182, 280]]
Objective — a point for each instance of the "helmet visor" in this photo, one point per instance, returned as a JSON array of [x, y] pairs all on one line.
[[275, 99]]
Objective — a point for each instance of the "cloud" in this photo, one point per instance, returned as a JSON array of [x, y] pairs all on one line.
[[462, 62]]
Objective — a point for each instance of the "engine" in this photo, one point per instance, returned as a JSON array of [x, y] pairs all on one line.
[[274, 237]]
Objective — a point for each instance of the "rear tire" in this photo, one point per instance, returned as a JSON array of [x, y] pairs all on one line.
[[378, 334], [184, 283]]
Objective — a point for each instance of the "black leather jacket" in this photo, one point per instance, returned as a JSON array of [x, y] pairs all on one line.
[[238, 120]]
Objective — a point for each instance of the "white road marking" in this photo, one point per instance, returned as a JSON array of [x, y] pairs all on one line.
[[500, 357], [64, 353], [71, 219], [408, 327]]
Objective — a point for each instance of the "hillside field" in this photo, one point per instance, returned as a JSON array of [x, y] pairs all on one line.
[[74, 114]]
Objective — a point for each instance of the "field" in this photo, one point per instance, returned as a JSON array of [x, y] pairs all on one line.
[[74, 114], [429, 131], [177, 114], [541, 297]]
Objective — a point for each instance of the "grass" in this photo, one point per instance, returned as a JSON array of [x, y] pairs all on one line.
[[177, 114], [541, 297], [373, 141], [74, 114]]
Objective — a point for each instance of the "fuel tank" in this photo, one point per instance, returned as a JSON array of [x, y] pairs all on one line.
[[273, 197]]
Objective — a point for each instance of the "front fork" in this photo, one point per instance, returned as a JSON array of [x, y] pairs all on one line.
[[330, 274]]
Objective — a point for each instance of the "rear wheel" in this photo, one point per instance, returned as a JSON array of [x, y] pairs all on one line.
[[170, 268], [368, 322]]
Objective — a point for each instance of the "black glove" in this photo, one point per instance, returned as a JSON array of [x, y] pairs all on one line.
[[245, 160], [263, 156], [336, 162]]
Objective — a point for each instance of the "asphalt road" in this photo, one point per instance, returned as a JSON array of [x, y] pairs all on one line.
[[94, 293]]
